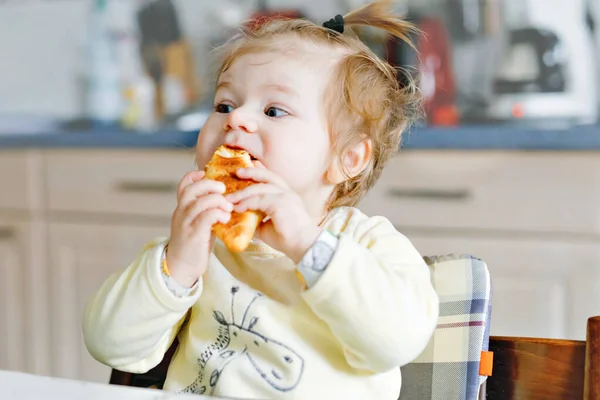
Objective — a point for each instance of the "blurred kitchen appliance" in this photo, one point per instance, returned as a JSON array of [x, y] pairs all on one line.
[[433, 65], [549, 72], [167, 58], [478, 36]]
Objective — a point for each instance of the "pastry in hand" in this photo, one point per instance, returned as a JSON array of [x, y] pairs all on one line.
[[238, 232]]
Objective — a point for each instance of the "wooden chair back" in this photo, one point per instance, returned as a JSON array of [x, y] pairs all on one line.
[[546, 369]]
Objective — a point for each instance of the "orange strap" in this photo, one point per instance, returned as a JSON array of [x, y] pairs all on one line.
[[486, 363]]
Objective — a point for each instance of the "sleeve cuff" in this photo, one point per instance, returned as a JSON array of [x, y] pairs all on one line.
[[317, 258], [175, 288], [329, 278], [174, 299]]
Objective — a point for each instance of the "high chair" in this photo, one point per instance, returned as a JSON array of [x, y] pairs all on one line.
[[456, 362]]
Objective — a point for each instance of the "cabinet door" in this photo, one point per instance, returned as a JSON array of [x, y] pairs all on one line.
[[20, 180], [492, 191], [13, 297], [540, 287], [133, 183], [82, 257]]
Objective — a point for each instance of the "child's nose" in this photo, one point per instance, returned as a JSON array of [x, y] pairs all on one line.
[[241, 119]]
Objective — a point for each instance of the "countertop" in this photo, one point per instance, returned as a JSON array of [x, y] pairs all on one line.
[[20, 386], [581, 138]]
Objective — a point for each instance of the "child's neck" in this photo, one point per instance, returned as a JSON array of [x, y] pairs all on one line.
[[316, 204]]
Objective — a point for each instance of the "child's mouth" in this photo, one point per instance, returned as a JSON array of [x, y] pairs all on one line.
[[252, 158]]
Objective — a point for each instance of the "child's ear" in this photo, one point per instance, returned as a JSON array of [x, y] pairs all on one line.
[[352, 162]]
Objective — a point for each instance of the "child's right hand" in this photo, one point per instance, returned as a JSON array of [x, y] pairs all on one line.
[[200, 204]]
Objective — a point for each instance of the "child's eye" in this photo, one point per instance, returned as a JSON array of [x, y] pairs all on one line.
[[275, 112], [223, 108]]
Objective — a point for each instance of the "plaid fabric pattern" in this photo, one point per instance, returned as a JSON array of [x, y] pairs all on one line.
[[448, 368]]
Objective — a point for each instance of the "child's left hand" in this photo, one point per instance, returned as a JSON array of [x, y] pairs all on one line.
[[290, 229]]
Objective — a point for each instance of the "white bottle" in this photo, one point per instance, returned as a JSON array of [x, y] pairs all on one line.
[[139, 110], [104, 91]]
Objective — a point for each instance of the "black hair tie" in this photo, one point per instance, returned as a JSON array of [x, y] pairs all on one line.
[[335, 24]]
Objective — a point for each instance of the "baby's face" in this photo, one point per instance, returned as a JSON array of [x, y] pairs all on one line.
[[271, 104]]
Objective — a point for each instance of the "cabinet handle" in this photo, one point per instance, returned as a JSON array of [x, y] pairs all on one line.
[[146, 187], [430, 194], [6, 233]]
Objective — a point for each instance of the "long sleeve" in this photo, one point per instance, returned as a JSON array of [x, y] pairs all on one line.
[[133, 318], [376, 295]]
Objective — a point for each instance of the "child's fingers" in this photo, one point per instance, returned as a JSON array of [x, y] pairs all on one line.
[[266, 202], [262, 175], [252, 190], [199, 189], [258, 164], [188, 179], [204, 222], [202, 204]]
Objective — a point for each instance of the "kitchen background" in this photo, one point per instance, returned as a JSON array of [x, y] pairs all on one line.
[[101, 102]]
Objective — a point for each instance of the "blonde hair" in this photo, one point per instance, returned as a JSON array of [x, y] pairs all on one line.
[[364, 102]]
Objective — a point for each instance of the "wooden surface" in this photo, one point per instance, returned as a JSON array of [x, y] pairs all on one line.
[[536, 369], [592, 360]]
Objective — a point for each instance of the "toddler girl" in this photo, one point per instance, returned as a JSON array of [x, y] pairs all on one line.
[[326, 303]]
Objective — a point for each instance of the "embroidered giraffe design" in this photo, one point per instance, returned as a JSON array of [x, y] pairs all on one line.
[[276, 363]]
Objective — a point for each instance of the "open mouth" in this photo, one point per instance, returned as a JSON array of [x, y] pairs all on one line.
[[252, 158], [226, 151]]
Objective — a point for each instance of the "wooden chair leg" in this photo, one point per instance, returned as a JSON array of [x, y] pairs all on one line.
[[591, 389]]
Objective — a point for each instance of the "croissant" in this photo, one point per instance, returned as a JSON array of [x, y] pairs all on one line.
[[238, 232]]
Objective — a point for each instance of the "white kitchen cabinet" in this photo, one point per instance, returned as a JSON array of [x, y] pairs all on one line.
[[534, 217], [141, 183], [21, 187], [538, 192], [23, 295], [14, 255], [82, 256], [541, 287], [69, 218], [103, 207]]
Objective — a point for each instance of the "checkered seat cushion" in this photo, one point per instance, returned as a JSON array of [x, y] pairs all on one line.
[[449, 367]]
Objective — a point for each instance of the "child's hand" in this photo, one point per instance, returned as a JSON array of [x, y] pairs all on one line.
[[290, 229], [200, 204]]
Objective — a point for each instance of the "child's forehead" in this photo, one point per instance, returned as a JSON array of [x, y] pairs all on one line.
[[283, 58], [275, 66]]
